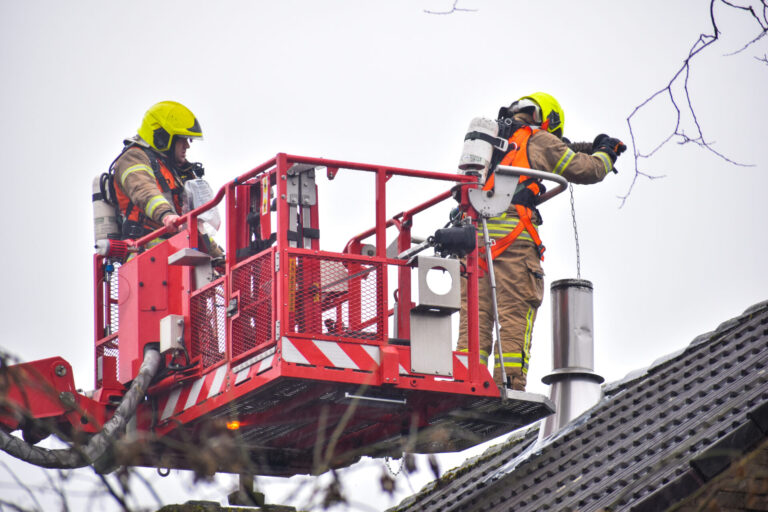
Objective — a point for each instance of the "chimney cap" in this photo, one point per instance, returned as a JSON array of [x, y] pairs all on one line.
[[572, 373], [569, 283]]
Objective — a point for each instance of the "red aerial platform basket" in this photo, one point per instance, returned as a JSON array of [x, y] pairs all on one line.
[[284, 358]]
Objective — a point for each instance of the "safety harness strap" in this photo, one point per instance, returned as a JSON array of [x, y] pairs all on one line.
[[158, 173], [501, 244], [497, 142], [524, 210], [525, 218]]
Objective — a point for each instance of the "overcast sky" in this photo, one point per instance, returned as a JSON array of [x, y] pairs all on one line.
[[384, 82]]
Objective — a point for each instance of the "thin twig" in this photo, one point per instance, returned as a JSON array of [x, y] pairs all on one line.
[[13, 506], [703, 42], [148, 485], [454, 8], [113, 493], [58, 488], [21, 484]]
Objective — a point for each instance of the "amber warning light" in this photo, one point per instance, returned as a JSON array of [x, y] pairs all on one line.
[[233, 425]]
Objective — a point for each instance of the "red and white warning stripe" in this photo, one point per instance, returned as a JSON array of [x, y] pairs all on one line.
[[249, 367], [184, 397], [460, 363], [319, 353], [353, 356]]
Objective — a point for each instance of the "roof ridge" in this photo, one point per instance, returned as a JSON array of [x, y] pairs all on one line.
[[723, 328]]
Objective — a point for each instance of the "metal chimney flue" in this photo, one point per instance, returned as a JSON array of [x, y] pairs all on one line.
[[575, 385]]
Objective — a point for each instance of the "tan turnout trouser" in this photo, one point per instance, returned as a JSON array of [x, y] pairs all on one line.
[[519, 292]]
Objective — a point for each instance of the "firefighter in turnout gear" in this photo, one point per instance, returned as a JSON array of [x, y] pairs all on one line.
[[533, 127], [149, 174]]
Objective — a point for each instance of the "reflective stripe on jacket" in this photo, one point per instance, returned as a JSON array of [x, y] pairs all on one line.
[[503, 225]]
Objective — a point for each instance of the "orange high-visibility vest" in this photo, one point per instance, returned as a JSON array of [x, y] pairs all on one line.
[[517, 157]]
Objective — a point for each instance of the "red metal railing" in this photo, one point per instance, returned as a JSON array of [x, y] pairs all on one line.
[[291, 288], [253, 285]]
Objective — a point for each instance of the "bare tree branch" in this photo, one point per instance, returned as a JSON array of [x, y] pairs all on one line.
[[762, 20], [119, 499], [750, 43], [22, 485], [58, 488], [683, 73], [453, 9], [148, 485], [13, 506]]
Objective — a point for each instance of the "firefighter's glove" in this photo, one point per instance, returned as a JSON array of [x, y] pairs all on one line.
[[612, 147], [168, 221]]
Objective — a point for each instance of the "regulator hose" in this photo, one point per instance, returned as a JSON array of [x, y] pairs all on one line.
[[95, 450]]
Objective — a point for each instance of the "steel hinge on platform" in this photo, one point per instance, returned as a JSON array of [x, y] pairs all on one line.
[[277, 329], [277, 262]]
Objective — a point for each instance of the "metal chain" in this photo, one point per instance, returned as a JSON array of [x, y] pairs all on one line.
[[575, 233], [394, 473]]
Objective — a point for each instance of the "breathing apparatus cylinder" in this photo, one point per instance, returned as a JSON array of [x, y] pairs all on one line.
[[477, 152], [197, 192], [104, 215]]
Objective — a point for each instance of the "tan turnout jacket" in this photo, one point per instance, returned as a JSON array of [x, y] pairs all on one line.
[[134, 176]]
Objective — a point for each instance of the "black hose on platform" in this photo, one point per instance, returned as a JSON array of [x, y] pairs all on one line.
[[90, 454]]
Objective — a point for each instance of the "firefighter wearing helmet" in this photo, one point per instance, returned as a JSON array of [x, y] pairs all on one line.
[[149, 174], [533, 127]]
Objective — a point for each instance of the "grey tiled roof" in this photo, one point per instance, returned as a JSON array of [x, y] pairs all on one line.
[[654, 438]]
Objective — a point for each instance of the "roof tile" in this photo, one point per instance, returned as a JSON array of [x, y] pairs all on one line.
[[655, 436]]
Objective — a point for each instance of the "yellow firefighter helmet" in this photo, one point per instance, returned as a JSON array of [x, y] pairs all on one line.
[[544, 109], [165, 120]]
